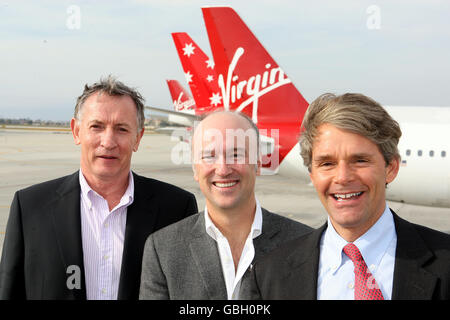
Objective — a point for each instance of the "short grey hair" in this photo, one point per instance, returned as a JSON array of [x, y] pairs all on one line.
[[113, 87], [353, 112]]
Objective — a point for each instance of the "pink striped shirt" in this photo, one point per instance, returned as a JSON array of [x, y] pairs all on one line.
[[103, 234]]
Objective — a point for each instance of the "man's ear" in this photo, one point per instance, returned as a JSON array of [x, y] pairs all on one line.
[[75, 126], [392, 169], [138, 139]]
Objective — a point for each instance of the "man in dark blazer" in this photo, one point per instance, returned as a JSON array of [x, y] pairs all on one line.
[[364, 251], [207, 255], [49, 243]]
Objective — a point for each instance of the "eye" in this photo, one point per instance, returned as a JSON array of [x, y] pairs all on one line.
[[361, 160], [95, 126]]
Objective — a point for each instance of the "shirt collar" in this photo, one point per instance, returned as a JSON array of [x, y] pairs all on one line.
[[88, 193], [372, 244], [255, 230]]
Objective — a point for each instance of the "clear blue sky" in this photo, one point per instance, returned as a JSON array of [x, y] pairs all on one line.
[[323, 46]]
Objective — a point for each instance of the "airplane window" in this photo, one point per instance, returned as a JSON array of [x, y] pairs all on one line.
[[431, 153], [419, 153], [408, 152], [443, 154]]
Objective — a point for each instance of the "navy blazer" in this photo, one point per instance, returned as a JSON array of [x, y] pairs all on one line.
[[421, 271]]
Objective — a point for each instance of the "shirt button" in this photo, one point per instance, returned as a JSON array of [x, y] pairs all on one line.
[[351, 285], [106, 257], [372, 267]]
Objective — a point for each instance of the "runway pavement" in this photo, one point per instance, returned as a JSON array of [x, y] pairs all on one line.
[[31, 156]]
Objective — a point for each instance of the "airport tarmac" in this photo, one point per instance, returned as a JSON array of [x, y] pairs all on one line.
[[32, 156]]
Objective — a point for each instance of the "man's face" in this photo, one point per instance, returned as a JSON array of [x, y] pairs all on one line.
[[350, 174], [108, 134], [224, 166]]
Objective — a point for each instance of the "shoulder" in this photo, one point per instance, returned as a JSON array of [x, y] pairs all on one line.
[[42, 190], [298, 248], [415, 232], [158, 186], [436, 241], [175, 233], [285, 224]]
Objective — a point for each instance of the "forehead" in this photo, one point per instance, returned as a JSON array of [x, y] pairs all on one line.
[[331, 140], [102, 106], [226, 127]]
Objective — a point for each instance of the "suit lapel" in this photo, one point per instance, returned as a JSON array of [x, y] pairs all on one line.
[[141, 219], [302, 267], [67, 225], [206, 256], [411, 281], [265, 241]]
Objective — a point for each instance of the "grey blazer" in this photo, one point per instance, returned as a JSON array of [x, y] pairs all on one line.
[[182, 261]]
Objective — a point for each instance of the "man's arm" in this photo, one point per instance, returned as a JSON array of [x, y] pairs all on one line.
[[12, 278], [153, 281]]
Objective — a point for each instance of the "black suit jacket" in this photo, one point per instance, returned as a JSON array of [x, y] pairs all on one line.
[[43, 236], [421, 272]]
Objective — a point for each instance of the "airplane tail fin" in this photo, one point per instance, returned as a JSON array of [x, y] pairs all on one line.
[[199, 71], [252, 82], [182, 100]]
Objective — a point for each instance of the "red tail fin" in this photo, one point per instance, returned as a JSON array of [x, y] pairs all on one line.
[[182, 100], [199, 71], [251, 81]]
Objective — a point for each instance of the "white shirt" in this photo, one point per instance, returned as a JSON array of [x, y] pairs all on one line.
[[103, 233], [377, 246], [232, 278]]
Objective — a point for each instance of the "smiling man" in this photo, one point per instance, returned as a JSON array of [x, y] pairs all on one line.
[[208, 255], [82, 236], [364, 251]]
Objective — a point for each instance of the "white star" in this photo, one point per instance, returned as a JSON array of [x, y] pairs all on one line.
[[215, 99], [188, 76], [210, 63], [188, 49], [210, 78]]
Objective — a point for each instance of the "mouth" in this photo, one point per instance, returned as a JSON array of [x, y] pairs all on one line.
[[108, 157], [225, 184], [340, 197]]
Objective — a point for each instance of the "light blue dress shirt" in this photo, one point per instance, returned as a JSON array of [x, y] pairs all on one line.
[[377, 246]]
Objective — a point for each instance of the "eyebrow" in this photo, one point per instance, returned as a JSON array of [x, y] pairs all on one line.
[[120, 124], [330, 157], [209, 150]]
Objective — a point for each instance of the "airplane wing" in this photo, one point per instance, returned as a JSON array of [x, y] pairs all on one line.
[[185, 119]]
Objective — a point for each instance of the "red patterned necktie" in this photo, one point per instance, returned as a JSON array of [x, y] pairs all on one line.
[[366, 288]]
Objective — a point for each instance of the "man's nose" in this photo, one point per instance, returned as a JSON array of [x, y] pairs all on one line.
[[108, 139], [344, 173], [222, 167]]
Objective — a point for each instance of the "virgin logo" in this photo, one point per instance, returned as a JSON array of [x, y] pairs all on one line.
[[188, 104], [255, 86]]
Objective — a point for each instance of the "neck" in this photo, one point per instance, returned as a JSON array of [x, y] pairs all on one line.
[[235, 225], [110, 188], [351, 233]]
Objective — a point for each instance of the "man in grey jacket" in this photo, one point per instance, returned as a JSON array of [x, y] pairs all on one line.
[[208, 255]]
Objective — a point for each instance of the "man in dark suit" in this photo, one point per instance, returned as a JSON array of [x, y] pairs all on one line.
[[364, 251], [82, 236], [207, 255]]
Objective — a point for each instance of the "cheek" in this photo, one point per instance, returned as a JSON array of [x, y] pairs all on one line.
[[320, 182]]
